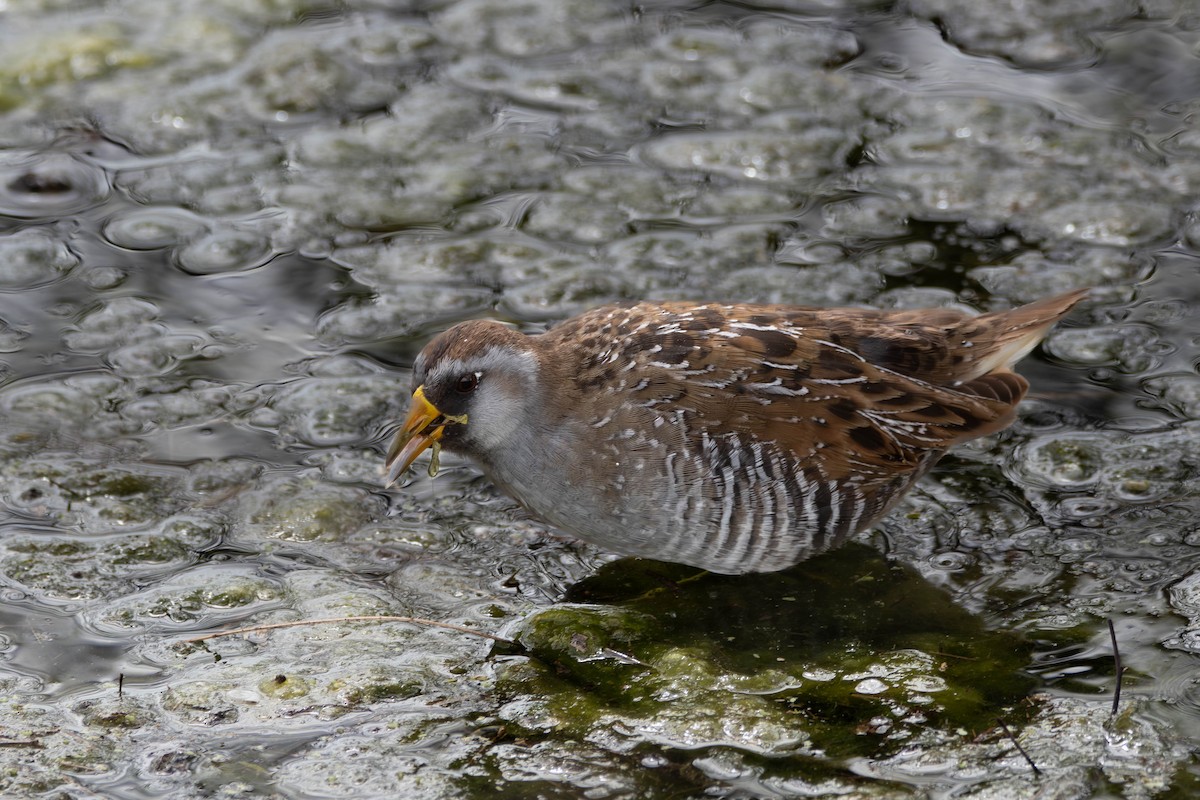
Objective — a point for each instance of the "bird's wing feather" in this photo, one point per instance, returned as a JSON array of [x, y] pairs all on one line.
[[854, 391], [834, 408]]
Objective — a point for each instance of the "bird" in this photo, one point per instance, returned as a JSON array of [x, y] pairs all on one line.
[[735, 438]]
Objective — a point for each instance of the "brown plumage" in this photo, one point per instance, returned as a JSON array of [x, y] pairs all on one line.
[[737, 438]]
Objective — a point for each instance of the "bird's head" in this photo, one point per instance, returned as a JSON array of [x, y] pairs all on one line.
[[473, 387]]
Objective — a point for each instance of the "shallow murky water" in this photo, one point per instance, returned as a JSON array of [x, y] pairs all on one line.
[[227, 228]]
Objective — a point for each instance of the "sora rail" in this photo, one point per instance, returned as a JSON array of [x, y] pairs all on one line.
[[735, 438]]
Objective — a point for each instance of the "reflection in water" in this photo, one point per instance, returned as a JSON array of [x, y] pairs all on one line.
[[851, 594], [846, 654]]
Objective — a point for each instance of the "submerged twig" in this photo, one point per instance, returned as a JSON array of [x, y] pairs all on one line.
[[952, 655], [430, 623], [1120, 670], [1017, 745]]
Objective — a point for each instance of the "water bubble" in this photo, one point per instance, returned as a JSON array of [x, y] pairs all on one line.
[[951, 561], [1086, 507]]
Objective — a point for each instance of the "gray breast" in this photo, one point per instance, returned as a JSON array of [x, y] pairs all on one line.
[[724, 502]]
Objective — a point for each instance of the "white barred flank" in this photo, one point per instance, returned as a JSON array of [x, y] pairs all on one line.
[[743, 505]]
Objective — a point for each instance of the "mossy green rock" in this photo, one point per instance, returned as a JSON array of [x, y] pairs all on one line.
[[845, 655], [285, 687]]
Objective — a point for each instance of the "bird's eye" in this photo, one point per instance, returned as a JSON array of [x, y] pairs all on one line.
[[467, 383]]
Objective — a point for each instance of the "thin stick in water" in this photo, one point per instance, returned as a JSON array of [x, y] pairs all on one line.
[[1120, 670], [1017, 745], [430, 623]]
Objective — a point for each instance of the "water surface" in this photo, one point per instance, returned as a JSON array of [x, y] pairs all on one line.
[[227, 229]]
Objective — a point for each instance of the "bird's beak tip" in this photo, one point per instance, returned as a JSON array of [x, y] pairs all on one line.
[[413, 438]]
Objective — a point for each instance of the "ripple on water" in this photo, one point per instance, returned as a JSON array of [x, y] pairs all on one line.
[[1185, 597], [1117, 223], [327, 412], [226, 249], [300, 509], [1179, 393], [41, 403], [118, 321], [55, 568], [152, 228], [1131, 348], [157, 356], [12, 339], [1085, 507], [951, 561], [49, 185], [1181, 689], [33, 257], [89, 496], [204, 596], [405, 312], [1071, 462], [770, 156]]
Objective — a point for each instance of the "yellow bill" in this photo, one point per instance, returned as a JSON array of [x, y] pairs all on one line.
[[422, 429]]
